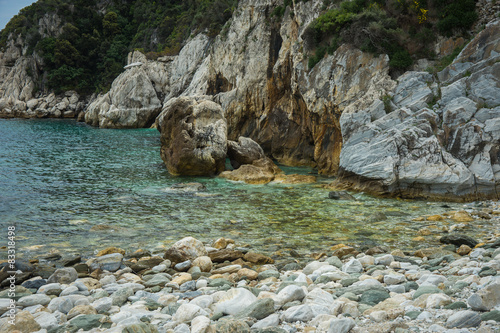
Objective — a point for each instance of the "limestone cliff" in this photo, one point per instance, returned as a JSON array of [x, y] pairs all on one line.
[[417, 135]]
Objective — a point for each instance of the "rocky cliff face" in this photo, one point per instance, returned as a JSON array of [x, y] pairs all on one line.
[[419, 135]]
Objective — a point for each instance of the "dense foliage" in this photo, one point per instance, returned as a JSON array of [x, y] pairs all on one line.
[[96, 36], [403, 29]]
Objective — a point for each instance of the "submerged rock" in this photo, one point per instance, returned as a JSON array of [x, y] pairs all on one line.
[[193, 137], [261, 171]]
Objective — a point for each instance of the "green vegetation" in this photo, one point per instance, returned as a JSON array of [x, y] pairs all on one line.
[[403, 29], [92, 48]]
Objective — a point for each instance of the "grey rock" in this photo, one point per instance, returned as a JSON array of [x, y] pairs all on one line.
[[269, 321], [352, 266], [373, 297], [267, 274], [50, 289], [235, 300], [340, 195], [341, 325], [121, 296], [291, 293], [486, 298], [426, 290], [157, 280], [33, 300], [183, 266], [63, 275], [46, 320], [87, 322], [413, 90], [186, 312], [259, 309], [463, 319], [110, 262], [245, 151], [302, 313], [232, 326], [103, 304], [334, 261]]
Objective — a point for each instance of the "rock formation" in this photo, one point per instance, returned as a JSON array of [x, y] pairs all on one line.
[[447, 151], [245, 151], [193, 137]]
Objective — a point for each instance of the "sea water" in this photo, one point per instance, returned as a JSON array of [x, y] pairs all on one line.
[[71, 188]]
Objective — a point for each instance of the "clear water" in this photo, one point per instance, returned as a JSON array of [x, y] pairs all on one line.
[[72, 188]]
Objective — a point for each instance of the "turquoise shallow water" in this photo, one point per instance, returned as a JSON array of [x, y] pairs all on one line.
[[72, 188]]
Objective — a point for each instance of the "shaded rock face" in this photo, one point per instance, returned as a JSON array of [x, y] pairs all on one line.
[[450, 151], [131, 103], [193, 137], [245, 151]]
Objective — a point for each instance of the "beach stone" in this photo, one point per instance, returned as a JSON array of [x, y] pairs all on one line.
[[234, 301], [110, 250], [157, 280], [46, 320], [31, 300], [121, 296], [342, 250], [182, 328], [437, 301], [392, 279], [219, 282], [257, 258], [459, 240], [50, 289], [463, 319], [182, 278], [267, 274], [183, 266], [204, 263], [139, 328], [109, 262], [270, 321], [246, 273], [187, 312], [232, 326], [200, 324], [245, 151], [313, 266], [290, 293], [373, 297], [426, 290], [63, 275], [227, 269], [103, 304], [492, 315], [24, 322], [367, 261], [81, 309], [259, 309], [378, 316], [341, 325], [486, 298], [302, 313], [87, 322], [334, 261], [487, 271], [352, 266], [456, 306], [462, 216], [384, 260], [34, 283], [464, 250], [188, 248], [225, 255]]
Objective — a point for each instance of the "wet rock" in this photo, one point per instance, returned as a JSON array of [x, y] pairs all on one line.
[[245, 151], [193, 137], [188, 187], [188, 248], [110, 250], [87, 322], [459, 240], [225, 255], [340, 195], [257, 258]]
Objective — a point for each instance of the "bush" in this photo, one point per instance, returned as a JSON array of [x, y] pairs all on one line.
[[400, 60]]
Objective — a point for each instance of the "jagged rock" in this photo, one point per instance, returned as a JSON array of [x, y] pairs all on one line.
[[193, 137], [413, 90], [131, 103], [245, 151]]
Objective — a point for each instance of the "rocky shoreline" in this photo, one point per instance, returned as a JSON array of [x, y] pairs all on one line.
[[227, 287]]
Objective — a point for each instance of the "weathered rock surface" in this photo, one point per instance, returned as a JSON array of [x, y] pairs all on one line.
[[131, 103], [193, 137], [443, 152], [261, 171], [245, 151]]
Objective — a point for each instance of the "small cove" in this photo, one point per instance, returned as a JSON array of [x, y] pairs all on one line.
[[72, 188]]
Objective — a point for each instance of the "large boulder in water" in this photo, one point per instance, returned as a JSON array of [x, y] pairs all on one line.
[[193, 136], [245, 151], [131, 103], [261, 171]]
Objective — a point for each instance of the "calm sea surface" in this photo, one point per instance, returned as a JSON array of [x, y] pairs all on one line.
[[71, 188]]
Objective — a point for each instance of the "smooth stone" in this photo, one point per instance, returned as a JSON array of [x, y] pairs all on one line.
[[334, 261], [492, 315], [232, 326], [219, 282], [270, 321], [157, 280], [109, 262], [63, 275], [200, 324], [426, 290], [46, 320], [121, 295], [186, 312], [302, 313], [34, 283], [87, 322], [486, 298], [31, 300], [235, 301], [392, 279], [50, 289], [373, 297], [183, 266], [384, 260], [456, 306], [352, 266], [341, 325], [290, 293], [463, 319], [267, 274], [103, 304], [259, 309]]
